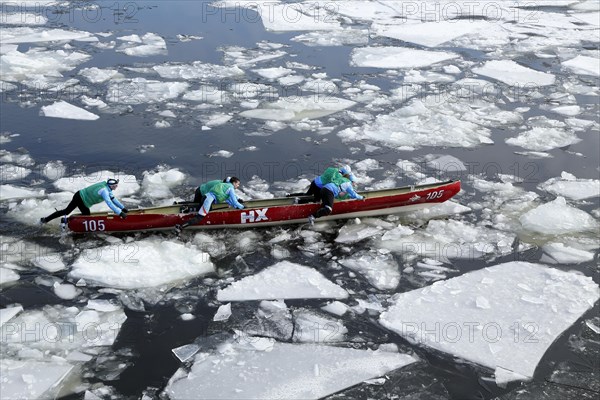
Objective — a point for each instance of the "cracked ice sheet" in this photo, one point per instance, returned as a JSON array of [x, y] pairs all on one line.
[[145, 263], [307, 371], [397, 57], [506, 316], [430, 34], [429, 122], [297, 108], [274, 283], [445, 240]]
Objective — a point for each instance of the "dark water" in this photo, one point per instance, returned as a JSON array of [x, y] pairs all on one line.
[[147, 337]]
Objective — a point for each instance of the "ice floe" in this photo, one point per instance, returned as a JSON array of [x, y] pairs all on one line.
[[571, 187], [158, 184], [37, 35], [144, 263], [307, 371], [141, 90], [296, 17], [558, 253], [273, 283], [397, 57], [62, 109], [147, 45], [557, 217], [513, 74], [9, 172], [342, 37], [430, 34], [505, 316], [10, 192], [543, 139], [381, 270], [8, 275], [298, 108], [583, 65], [127, 183], [98, 75], [197, 70]]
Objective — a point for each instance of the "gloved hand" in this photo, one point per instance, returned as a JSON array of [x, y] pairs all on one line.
[[123, 214], [242, 201], [359, 197], [124, 210]]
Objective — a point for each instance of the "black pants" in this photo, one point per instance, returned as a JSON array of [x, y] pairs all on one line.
[[327, 199], [198, 197], [314, 191], [76, 202]]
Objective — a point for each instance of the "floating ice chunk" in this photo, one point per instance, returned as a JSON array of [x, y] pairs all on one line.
[[32, 379], [39, 35], [287, 371], [558, 253], [147, 45], [273, 283], [510, 334], [157, 184], [223, 313], [92, 102], [430, 34], [273, 73], [197, 70], [567, 110], [102, 305], [352, 232], [444, 240], [145, 263], [208, 94], [216, 120], [310, 327], [16, 158], [397, 57], [97, 75], [53, 170], [297, 108], [513, 74], [38, 66], [62, 109], [584, 65], [141, 90], [557, 217], [8, 275], [445, 163], [297, 17], [504, 376], [336, 307], [127, 183], [66, 291], [10, 192], [381, 271], [342, 37], [446, 208], [427, 122], [9, 172], [221, 153], [569, 186], [6, 314], [186, 352], [543, 139]]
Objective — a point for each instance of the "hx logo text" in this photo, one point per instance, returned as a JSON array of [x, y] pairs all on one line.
[[254, 216]]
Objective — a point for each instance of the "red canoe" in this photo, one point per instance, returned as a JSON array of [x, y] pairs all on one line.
[[269, 212]]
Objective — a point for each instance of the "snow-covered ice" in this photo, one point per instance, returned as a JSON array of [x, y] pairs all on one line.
[[513, 74], [558, 253], [381, 270], [528, 307], [583, 65], [557, 217], [567, 185], [544, 139], [273, 283], [430, 34], [147, 45], [62, 109], [307, 371], [397, 57], [145, 263]]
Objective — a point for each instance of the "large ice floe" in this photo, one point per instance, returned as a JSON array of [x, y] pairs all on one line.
[[557, 217], [298, 108], [44, 349], [502, 317], [397, 57], [273, 283], [430, 34], [260, 368], [62, 109], [513, 74], [147, 45], [571, 187], [145, 263]]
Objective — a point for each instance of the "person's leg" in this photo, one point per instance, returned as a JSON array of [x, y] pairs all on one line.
[[198, 196], [314, 191], [327, 200], [76, 202]]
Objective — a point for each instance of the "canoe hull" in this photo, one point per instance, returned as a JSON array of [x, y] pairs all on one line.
[[272, 212]]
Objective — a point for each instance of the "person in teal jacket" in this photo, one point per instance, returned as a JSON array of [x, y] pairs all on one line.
[[86, 198], [202, 190], [331, 174], [220, 192], [340, 189]]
